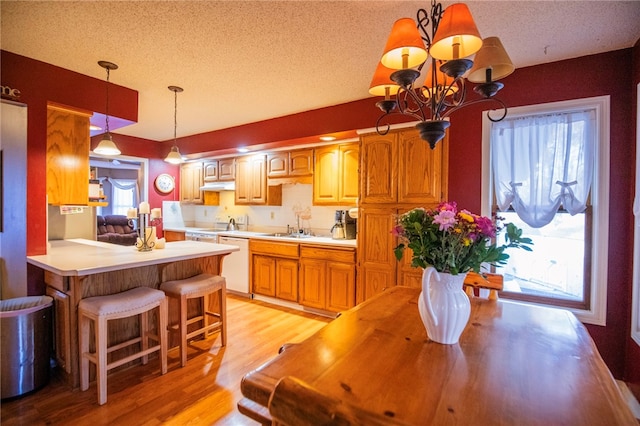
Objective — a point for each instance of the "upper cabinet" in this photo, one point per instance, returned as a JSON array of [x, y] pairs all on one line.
[[68, 145], [401, 168], [220, 170], [290, 166], [191, 179], [251, 182], [335, 175]]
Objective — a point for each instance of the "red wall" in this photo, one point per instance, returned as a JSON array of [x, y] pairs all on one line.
[[605, 74]]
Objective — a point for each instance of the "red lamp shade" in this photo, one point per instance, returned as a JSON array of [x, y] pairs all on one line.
[[405, 48], [491, 56], [381, 83], [457, 35]]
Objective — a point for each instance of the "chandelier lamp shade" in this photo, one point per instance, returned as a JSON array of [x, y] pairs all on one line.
[[106, 145], [174, 156], [444, 41]]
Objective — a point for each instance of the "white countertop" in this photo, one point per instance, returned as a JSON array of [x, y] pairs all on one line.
[[79, 257]]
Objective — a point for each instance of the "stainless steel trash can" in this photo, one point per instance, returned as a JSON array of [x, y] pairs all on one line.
[[25, 326]]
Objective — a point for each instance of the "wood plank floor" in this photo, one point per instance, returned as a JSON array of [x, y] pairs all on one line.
[[204, 392]]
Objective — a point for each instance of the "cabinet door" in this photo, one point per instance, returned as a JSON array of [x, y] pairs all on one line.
[[287, 279], [174, 236], [341, 286], [264, 275], [377, 264], [210, 171], [258, 180], [243, 180], [349, 165], [313, 283], [421, 170], [301, 162], [67, 162], [378, 168], [190, 182], [325, 175], [62, 328], [226, 169], [278, 164]]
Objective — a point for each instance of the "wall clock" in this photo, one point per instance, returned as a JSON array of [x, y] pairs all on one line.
[[164, 183]]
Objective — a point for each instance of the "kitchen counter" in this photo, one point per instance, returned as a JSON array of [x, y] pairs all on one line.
[[327, 241], [80, 257]]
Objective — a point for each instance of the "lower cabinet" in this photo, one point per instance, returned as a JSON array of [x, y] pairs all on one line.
[[174, 236], [274, 269], [327, 278], [62, 327]]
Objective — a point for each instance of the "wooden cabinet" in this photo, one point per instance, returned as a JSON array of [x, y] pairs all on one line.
[[68, 145], [251, 182], [219, 170], [191, 179], [335, 175], [174, 235], [399, 171], [274, 269], [327, 278], [297, 165]]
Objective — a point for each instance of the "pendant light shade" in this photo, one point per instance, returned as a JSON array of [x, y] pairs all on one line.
[[174, 156], [457, 35], [405, 48], [106, 145], [493, 57]]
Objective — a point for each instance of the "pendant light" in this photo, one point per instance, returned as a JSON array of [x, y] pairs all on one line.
[[106, 145], [174, 156]]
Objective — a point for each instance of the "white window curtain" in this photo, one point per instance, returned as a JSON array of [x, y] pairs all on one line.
[[124, 193], [543, 162]]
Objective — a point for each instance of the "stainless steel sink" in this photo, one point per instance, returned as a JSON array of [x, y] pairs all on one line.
[[283, 235]]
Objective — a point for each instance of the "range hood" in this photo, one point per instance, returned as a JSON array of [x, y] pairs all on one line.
[[218, 186]]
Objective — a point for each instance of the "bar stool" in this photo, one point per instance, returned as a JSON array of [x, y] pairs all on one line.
[[100, 309], [199, 286]]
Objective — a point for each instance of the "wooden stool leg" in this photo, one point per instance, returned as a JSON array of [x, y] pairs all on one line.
[[84, 327], [163, 318], [183, 330], [223, 315], [101, 359], [144, 334]]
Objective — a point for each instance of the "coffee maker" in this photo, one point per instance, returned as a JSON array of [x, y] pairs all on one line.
[[344, 226]]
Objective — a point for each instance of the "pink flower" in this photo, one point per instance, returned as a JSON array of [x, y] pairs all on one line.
[[451, 206], [446, 219], [397, 231], [486, 226]]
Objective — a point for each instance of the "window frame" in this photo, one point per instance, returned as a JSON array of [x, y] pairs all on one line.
[[597, 312], [635, 310]]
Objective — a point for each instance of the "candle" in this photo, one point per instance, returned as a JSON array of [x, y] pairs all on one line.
[[132, 213], [156, 213], [144, 207], [160, 243]]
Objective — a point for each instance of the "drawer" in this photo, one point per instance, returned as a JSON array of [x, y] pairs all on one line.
[[55, 281], [271, 248], [330, 254]]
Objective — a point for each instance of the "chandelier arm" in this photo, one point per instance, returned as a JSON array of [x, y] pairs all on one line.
[[403, 104], [477, 101]]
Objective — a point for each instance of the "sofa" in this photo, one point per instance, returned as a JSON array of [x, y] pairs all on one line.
[[115, 229]]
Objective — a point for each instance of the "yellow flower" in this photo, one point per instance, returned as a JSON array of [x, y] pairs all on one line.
[[466, 216], [466, 242]]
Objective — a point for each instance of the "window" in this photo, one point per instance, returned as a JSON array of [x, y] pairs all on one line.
[[124, 195], [546, 168]]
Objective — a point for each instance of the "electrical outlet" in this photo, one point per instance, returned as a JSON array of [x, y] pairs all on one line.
[[240, 219], [273, 215]]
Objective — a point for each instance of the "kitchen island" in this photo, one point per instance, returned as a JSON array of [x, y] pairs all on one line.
[[76, 269]]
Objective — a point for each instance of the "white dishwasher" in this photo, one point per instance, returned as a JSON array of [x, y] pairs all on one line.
[[235, 265]]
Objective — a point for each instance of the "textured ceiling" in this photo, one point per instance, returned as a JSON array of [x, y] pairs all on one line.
[[246, 61]]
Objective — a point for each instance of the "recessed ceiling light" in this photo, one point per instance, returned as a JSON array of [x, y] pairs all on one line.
[[93, 127], [242, 149], [327, 138]]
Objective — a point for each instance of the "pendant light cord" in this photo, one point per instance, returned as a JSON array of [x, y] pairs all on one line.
[[107, 109], [175, 117]]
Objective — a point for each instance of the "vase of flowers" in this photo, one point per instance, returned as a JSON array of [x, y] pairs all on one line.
[[448, 243]]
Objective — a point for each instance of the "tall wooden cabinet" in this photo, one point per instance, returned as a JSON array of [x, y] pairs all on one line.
[[398, 172], [251, 182], [335, 175]]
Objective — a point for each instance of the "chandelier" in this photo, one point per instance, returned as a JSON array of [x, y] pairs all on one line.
[[445, 50]]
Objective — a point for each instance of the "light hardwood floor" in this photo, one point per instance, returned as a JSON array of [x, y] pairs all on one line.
[[204, 392]]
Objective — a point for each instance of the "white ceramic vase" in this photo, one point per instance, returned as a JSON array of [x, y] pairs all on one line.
[[444, 306]]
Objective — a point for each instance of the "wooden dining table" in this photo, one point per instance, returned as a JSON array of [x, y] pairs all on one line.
[[514, 364]]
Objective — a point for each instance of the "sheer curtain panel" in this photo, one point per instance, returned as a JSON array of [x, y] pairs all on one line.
[[543, 162]]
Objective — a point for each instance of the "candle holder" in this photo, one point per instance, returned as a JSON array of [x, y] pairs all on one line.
[[146, 235]]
